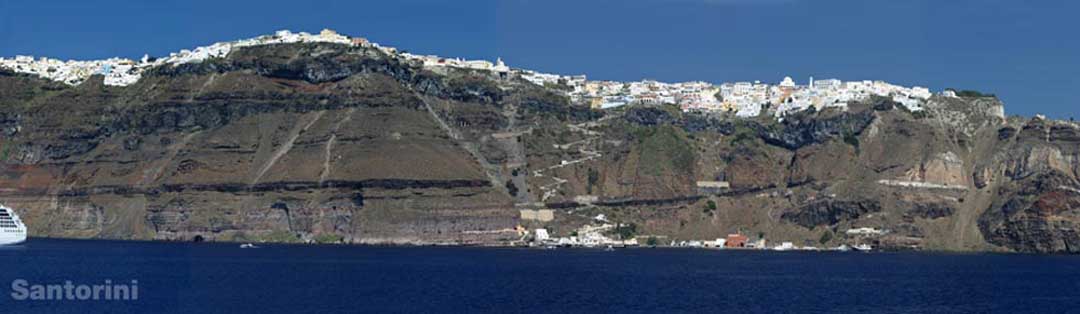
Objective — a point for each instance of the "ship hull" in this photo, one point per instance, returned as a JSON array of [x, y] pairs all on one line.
[[11, 238]]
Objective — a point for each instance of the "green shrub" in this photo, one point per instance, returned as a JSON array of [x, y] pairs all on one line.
[[329, 238], [921, 114], [594, 177], [825, 237], [511, 187], [743, 134], [852, 140], [281, 236], [972, 93], [666, 147], [626, 231]]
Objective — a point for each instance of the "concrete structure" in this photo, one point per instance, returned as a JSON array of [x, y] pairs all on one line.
[[864, 231], [542, 215], [759, 244], [542, 235], [713, 187], [785, 246]]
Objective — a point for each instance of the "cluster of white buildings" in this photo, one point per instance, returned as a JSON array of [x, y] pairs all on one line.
[[117, 71], [123, 72], [865, 231], [593, 235], [587, 236], [609, 94], [761, 244], [432, 61], [789, 97], [745, 99]]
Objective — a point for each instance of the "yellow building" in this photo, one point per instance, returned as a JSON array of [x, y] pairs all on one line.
[[727, 106], [709, 93], [596, 102], [592, 88]]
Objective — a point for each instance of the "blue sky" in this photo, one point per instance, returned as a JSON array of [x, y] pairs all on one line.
[[1026, 52]]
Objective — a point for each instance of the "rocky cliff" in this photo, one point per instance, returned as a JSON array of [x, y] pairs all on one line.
[[335, 143]]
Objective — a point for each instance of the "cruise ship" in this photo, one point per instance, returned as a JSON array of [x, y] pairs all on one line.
[[12, 229]]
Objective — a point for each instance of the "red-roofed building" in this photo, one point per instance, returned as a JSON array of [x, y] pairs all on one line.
[[736, 240]]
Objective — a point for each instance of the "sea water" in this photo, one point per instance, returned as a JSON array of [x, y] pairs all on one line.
[[223, 278]]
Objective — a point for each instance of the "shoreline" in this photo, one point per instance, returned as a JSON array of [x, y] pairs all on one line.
[[30, 240]]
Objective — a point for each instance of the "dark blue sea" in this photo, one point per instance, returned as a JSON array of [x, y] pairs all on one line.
[[222, 278]]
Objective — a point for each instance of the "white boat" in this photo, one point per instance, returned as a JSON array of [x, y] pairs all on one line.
[[863, 248], [12, 229], [843, 248], [248, 246]]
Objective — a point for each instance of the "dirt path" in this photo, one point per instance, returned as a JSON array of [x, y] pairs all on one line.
[[583, 148], [489, 170], [158, 167], [286, 147], [202, 88], [330, 145]]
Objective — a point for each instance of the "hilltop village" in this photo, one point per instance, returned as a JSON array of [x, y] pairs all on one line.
[[123, 72], [327, 138], [744, 99]]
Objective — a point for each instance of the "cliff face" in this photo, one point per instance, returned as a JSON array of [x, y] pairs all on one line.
[[326, 142], [1037, 202], [275, 142]]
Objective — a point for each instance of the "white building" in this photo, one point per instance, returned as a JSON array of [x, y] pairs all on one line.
[[719, 243], [787, 82], [785, 246], [864, 231], [542, 235]]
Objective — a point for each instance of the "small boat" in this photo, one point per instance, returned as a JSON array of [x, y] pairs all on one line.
[[609, 248], [863, 248], [843, 248], [248, 246]]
